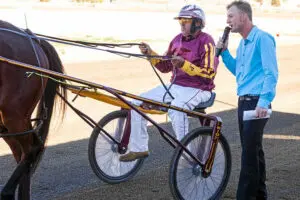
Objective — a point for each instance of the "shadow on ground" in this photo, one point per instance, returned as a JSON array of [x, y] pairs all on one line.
[[65, 173]]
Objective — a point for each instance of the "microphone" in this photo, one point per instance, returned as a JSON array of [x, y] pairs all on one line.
[[224, 38]]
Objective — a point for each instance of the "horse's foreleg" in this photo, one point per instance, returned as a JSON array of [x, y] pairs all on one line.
[[21, 176], [8, 192], [24, 186], [1, 187], [25, 154], [15, 147]]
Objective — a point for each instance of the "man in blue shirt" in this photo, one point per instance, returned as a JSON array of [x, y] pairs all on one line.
[[256, 72]]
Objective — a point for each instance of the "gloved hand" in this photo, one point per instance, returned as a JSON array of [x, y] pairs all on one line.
[[177, 61], [145, 48]]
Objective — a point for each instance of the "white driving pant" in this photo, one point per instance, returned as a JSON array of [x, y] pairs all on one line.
[[184, 97]]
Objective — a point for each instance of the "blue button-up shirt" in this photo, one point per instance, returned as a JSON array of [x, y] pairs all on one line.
[[255, 66]]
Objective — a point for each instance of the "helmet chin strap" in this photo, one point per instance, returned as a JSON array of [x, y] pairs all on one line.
[[194, 28]]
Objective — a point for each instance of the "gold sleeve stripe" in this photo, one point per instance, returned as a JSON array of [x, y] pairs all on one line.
[[193, 70], [206, 56], [154, 61], [211, 76], [190, 67], [212, 54]]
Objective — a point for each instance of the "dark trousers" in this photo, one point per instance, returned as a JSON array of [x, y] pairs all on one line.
[[253, 169]]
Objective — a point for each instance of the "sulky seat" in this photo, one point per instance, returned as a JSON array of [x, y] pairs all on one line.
[[203, 105]]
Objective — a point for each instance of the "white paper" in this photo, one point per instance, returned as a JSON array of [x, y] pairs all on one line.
[[251, 115]]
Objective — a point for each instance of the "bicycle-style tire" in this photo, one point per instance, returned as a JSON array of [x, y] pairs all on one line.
[[185, 177], [103, 154]]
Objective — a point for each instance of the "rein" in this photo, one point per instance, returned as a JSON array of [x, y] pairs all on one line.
[[91, 45], [109, 45]]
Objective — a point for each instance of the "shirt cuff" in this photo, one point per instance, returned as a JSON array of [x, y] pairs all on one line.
[[154, 61], [263, 103], [225, 53], [186, 66]]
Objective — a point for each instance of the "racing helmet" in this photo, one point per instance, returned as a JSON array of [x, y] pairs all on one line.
[[193, 12]]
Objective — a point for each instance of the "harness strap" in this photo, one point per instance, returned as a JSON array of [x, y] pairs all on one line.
[[29, 33], [35, 130]]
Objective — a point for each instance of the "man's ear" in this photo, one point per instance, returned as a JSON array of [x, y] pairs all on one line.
[[244, 17]]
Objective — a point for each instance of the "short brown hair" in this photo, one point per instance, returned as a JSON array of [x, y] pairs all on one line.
[[243, 6]]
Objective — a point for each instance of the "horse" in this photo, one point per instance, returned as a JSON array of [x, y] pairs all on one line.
[[20, 97]]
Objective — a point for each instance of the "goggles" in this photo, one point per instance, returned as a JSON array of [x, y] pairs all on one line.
[[185, 21]]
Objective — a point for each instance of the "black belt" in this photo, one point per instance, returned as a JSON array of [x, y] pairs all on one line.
[[248, 97]]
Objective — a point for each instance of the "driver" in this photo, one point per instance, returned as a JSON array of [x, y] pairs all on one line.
[[193, 66]]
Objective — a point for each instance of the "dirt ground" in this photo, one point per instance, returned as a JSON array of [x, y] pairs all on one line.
[[282, 135], [67, 142]]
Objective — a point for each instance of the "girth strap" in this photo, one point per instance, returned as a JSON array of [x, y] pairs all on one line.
[[35, 130]]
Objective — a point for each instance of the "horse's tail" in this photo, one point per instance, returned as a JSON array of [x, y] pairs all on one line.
[[52, 87]]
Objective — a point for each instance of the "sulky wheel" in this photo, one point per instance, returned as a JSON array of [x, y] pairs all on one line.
[[186, 178], [104, 154]]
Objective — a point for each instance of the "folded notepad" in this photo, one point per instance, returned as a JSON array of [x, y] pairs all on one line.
[[251, 115]]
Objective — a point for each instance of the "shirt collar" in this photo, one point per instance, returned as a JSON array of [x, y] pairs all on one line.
[[251, 35], [190, 37]]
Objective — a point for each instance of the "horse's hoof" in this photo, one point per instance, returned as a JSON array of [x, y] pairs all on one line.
[[5, 197]]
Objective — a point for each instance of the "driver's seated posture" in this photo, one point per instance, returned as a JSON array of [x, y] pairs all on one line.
[[193, 66]]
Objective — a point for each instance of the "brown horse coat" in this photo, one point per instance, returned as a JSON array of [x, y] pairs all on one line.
[[19, 96]]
